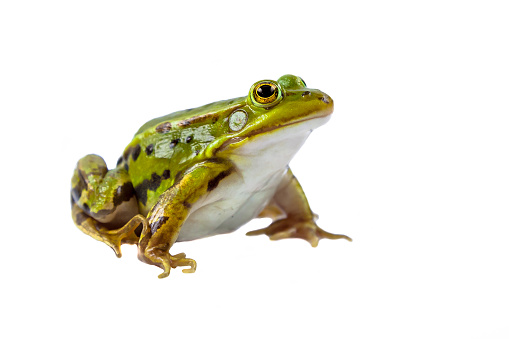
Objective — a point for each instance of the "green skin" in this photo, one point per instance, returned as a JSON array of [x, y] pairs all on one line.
[[175, 160]]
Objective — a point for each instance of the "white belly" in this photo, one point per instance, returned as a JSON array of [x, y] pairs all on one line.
[[224, 213], [260, 166]]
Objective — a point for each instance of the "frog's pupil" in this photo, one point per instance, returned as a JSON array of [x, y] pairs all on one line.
[[265, 91]]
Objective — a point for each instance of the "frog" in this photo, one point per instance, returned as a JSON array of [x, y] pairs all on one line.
[[205, 171]]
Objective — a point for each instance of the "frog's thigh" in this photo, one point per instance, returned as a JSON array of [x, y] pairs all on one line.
[[273, 211], [168, 215], [296, 220], [289, 199], [103, 202]]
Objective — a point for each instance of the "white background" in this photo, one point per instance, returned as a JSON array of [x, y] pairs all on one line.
[[413, 166]]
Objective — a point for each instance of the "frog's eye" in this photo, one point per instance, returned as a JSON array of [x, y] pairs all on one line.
[[266, 93]]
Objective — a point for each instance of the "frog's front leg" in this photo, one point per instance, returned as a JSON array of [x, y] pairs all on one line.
[[170, 212], [292, 216], [104, 205]]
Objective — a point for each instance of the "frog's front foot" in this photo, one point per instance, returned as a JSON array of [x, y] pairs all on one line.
[[295, 228]]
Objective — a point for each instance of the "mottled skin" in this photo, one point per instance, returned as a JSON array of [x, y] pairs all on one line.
[[180, 164]]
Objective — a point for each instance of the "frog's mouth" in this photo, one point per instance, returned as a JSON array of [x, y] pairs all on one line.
[[320, 119], [305, 125]]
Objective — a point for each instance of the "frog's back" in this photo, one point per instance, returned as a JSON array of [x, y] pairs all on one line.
[[166, 146], [181, 119]]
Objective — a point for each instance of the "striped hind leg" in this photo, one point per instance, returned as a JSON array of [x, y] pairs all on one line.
[[104, 205]]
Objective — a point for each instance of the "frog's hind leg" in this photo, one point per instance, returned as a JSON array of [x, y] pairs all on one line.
[[292, 216], [104, 205], [112, 237], [272, 211]]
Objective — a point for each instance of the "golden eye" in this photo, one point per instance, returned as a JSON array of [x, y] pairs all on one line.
[[265, 93]]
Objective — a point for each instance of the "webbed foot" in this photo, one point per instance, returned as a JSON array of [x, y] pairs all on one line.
[[160, 256], [114, 238], [166, 261], [294, 228]]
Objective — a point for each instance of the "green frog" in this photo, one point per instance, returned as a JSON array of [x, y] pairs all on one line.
[[205, 171]]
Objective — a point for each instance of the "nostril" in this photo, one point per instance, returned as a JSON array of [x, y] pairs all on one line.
[[325, 99]]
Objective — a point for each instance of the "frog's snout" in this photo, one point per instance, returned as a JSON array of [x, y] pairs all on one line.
[[320, 96], [326, 99]]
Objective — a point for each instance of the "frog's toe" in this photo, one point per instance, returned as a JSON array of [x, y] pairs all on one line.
[[166, 261], [183, 261], [326, 235], [178, 260], [301, 229]]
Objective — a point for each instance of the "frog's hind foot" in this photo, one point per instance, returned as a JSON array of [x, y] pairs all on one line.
[[179, 260], [166, 261], [114, 238], [160, 256], [295, 228]]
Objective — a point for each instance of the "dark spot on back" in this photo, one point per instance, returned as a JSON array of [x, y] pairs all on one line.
[[165, 127], [119, 161], [214, 119], [215, 182], [166, 174], [149, 149], [136, 152], [158, 223], [126, 167], [174, 143], [189, 139], [85, 207], [150, 184], [186, 204]]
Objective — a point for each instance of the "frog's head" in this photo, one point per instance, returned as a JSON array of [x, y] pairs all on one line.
[[275, 110], [278, 104]]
